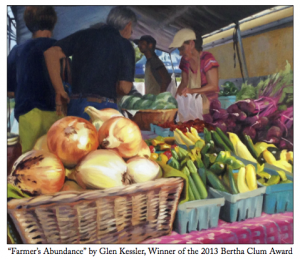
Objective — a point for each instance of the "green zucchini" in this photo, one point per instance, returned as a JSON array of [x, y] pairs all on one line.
[[217, 168], [232, 185], [215, 182], [174, 154], [197, 180], [205, 149], [250, 146], [202, 174], [192, 184], [225, 139], [205, 160], [207, 135], [218, 141]]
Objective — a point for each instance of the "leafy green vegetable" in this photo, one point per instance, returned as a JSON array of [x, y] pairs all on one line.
[[248, 91]]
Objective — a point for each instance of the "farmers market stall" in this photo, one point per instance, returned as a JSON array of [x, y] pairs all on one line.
[[137, 176]]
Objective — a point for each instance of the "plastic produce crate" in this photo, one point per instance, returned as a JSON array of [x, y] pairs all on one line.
[[278, 198], [226, 101], [240, 206], [198, 215], [166, 132]]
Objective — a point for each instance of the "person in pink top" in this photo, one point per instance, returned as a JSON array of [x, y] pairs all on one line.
[[199, 68]]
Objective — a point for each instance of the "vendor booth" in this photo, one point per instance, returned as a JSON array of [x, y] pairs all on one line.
[[144, 175]]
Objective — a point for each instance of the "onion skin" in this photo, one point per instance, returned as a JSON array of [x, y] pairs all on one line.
[[71, 138], [144, 150], [38, 172], [142, 169], [101, 169], [122, 134], [102, 115], [41, 144], [70, 185]]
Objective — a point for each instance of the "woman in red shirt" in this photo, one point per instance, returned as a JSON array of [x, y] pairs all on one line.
[[199, 68]]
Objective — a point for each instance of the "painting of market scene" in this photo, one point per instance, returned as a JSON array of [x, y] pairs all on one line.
[[150, 124]]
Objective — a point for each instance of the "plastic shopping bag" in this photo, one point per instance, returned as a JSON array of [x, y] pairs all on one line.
[[172, 87], [189, 107]]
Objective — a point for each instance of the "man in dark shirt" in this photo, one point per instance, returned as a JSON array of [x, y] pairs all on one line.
[[27, 78], [157, 77], [103, 64]]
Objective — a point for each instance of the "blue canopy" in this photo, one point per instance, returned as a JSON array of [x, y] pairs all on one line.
[[165, 58]]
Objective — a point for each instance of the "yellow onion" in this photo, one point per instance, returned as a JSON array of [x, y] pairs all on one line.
[[70, 185], [38, 172], [41, 144], [71, 138], [144, 150], [101, 169], [141, 169], [122, 134], [98, 117]]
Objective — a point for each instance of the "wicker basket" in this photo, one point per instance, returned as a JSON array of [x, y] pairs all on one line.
[[143, 118], [128, 214]]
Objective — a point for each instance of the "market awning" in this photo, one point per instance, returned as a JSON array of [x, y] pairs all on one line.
[[162, 22]]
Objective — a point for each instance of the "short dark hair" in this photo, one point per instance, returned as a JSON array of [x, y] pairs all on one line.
[[40, 18], [198, 42]]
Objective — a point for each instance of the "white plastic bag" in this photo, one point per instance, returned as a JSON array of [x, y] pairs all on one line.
[[172, 87], [189, 108]]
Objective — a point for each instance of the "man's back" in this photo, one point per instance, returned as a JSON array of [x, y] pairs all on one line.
[[100, 58]]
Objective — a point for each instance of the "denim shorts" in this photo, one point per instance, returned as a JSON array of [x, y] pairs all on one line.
[[76, 107]]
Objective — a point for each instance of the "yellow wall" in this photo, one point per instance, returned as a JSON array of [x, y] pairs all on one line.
[[265, 54]]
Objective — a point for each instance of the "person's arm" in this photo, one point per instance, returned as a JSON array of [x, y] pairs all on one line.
[[52, 59], [11, 73], [212, 77], [183, 84], [165, 78], [123, 88]]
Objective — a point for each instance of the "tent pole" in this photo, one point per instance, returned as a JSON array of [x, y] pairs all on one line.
[[242, 51], [173, 68]]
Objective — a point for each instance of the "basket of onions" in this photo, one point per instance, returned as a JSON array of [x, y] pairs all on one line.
[[92, 182]]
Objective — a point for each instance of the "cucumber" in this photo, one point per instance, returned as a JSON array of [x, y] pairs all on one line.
[[205, 160], [218, 141], [221, 157], [232, 185], [218, 168], [212, 157], [202, 174], [207, 135], [192, 184], [192, 191], [205, 149], [197, 180], [215, 182], [250, 146], [212, 148], [225, 139], [174, 154]]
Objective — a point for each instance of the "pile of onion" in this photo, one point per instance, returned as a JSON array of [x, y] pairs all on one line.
[[101, 169], [98, 117], [41, 144], [38, 172], [144, 150], [121, 134], [141, 169], [71, 138]]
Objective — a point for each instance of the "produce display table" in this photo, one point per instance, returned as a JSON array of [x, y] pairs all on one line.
[[267, 229]]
